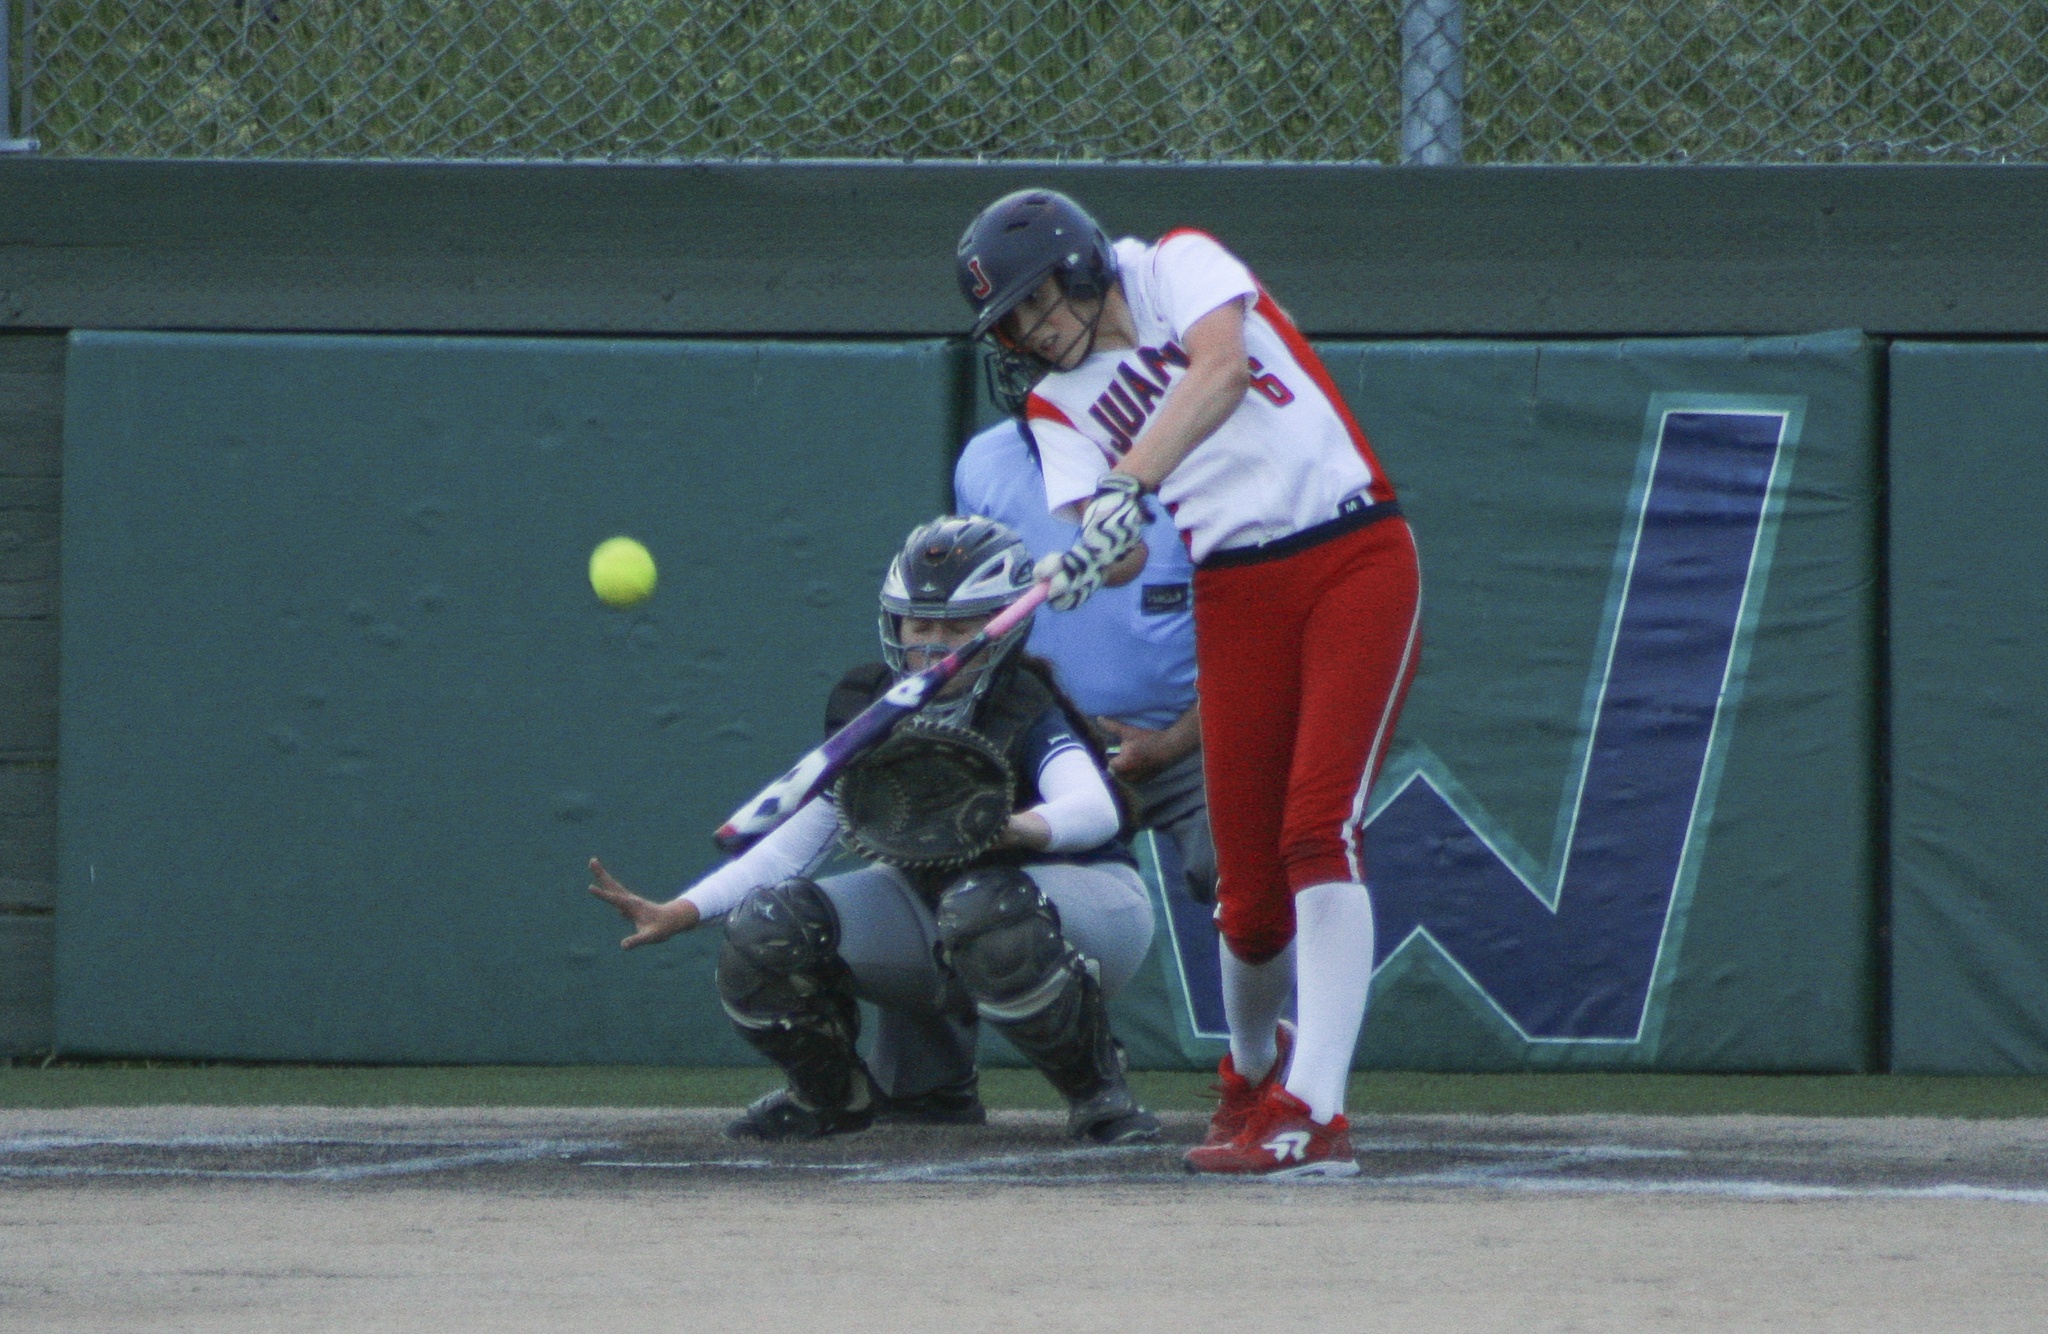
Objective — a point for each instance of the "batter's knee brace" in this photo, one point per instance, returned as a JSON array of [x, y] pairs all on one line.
[[1001, 937], [781, 955]]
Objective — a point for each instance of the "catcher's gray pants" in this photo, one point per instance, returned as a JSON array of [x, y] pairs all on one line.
[[926, 1034], [1174, 803]]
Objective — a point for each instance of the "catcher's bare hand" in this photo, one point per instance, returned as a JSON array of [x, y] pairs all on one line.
[[1026, 830], [652, 922]]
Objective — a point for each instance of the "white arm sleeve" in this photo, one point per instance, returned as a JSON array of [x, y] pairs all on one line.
[[1077, 807], [788, 851]]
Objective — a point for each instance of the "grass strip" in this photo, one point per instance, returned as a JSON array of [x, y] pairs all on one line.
[[145, 1083]]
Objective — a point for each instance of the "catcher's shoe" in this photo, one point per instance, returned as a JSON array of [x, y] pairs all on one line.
[[959, 1105], [1280, 1142], [1111, 1116], [1136, 1126], [779, 1115], [1236, 1095]]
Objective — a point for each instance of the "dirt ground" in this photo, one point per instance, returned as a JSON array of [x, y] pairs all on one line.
[[450, 1220]]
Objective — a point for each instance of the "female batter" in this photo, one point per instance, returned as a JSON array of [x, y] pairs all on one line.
[[1166, 369]]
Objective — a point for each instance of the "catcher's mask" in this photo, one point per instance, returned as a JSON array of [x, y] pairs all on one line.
[[955, 569]]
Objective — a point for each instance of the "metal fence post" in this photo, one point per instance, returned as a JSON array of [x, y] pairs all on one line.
[[1433, 82], [9, 144]]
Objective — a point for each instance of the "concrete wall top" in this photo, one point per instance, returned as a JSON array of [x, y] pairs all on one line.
[[865, 249]]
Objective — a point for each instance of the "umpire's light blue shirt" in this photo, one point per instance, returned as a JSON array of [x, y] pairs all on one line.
[[1126, 653]]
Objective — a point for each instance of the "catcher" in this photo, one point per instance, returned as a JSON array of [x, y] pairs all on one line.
[[1000, 884]]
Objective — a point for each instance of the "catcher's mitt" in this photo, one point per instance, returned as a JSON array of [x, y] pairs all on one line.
[[928, 798]]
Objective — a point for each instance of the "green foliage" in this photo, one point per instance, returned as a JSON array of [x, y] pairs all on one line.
[[1205, 80], [1752, 81], [705, 78]]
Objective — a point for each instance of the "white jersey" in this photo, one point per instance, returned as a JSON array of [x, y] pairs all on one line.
[[1288, 459]]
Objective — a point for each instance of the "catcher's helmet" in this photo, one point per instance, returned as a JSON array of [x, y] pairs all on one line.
[[951, 569], [1021, 239]]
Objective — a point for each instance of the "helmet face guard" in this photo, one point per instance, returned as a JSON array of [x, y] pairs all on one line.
[[1010, 376], [1012, 370]]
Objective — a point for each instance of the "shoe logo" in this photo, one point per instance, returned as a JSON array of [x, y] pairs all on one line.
[[1288, 1144]]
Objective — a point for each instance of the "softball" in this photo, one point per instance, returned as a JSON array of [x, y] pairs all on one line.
[[621, 572]]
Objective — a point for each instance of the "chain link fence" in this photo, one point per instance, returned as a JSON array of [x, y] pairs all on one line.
[[1430, 81]]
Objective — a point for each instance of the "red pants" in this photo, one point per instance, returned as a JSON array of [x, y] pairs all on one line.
[[1304, 662]]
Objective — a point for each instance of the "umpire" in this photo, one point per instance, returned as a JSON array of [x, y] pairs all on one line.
[[1126, 656]]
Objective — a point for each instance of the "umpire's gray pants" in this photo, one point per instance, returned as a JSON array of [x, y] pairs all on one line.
[[925, 1036], [1174, 802]]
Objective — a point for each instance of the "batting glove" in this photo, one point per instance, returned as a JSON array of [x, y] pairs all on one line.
[[1111, 526]]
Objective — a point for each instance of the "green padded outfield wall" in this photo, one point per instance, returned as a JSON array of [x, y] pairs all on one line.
[[1969, 713], [343, 720]]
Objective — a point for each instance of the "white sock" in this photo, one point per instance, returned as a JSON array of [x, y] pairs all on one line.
[[1333, 952], [1254, 997]]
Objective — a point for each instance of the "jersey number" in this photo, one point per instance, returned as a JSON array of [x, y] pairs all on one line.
[[1270, 386]]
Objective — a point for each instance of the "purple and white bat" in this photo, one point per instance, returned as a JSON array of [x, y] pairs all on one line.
[[781, 798]]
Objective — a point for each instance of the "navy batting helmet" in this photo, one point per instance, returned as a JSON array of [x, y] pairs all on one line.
[[1019, 241]]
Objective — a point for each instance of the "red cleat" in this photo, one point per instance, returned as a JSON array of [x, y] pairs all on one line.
[[1238, 1095], [1280, 1143]]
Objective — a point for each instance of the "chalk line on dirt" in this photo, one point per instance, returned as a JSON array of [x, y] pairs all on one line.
[[436, 1158]]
